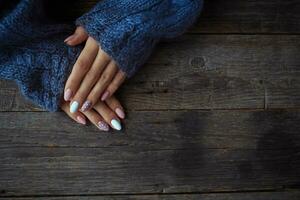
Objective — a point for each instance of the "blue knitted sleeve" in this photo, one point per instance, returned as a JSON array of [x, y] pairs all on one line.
[[33, 54], [128, 30]]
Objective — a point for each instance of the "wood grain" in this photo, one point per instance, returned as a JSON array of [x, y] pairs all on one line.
[[248, 16], [213, 115], [218, 16], [162, 129], [290, 195], [159, 152]]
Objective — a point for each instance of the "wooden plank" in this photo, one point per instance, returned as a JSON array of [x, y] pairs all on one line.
[[159, 152], [249, 16], [282, 80], [290, 195], [219, 16], [161, 129], [12, 99], [209, 72]]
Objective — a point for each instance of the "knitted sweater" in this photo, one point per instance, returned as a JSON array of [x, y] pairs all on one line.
[[33, 54]]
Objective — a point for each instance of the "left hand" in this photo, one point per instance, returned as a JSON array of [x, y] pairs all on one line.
[[94, 76], [103, 115]]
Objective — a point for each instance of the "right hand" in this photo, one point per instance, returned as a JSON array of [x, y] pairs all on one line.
[[94, 77]]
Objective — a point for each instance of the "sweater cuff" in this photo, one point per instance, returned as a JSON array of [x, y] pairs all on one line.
[[124, 30], [40, 70], [128, 46], [128, 30]]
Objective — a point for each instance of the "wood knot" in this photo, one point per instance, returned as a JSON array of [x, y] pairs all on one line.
[[197, 62]]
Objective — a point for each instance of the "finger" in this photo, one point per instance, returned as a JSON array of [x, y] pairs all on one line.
[[90, 80], [115, 105], [108, 115], [82, 65], [79, 36], [97, 120], [114, 85], [80, 68], [78, 117], [102, 83]]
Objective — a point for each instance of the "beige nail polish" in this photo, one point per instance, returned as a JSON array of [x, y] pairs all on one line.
[[68, 95], [68, 38], [81, 120], [120, 113], [104, 96]]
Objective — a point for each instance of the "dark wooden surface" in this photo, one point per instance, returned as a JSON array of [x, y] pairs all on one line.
[[292, 195], [213, 115]]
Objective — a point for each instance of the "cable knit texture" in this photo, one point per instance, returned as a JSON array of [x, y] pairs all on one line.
[[34, 55], [128, 30]]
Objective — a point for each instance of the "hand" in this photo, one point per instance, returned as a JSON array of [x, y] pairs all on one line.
[[102, 115], [94, 76]]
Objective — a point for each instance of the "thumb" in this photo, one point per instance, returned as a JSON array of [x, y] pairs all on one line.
[[79, 36]]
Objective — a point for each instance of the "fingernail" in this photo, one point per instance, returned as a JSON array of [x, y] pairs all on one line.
[[104, 96], [103, 126], [120, 113], [74, 107], [87, 104], [68, 95], [69, 38], [81, 120], [116, 124]]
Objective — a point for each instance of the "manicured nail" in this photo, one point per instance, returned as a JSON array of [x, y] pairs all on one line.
[[74, 107], [103, 126], [69, 38], [87, 104], [116, 124], [68, 95], [104, 96], [81, 120], [120, 113]]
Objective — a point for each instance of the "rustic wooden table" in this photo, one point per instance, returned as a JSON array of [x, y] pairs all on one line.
[[213, 115]]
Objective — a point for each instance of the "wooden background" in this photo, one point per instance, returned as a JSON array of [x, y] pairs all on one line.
[[213, 115]]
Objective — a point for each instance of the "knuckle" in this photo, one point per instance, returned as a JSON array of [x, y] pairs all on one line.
[[91, 76], [71, 82], [105, 78], [81, 95], [113, 87], [104, 55], [111, 115], [92, 96], [78, 97], [95, 118], [83, 65], [114, 105]]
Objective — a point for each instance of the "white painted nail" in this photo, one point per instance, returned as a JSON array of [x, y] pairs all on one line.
[[116, 124], [74, 107]]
